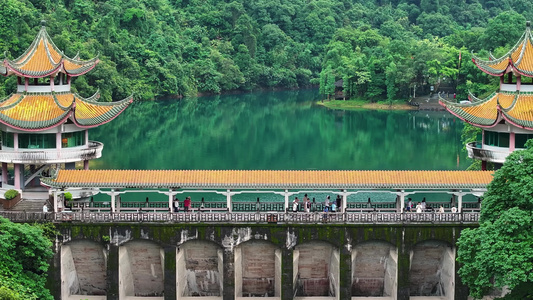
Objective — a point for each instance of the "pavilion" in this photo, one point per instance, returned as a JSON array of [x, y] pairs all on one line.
[[506, 116], [44, 125]]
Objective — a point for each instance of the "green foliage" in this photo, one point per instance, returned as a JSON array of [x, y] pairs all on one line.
[[500, 252], [68, 196], [10, 194], [24, 253], [182, 48]]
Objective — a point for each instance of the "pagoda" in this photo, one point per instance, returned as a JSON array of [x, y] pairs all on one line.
[[506, 116], [44, 125]]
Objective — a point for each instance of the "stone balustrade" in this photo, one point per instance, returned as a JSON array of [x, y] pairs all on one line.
[[240, 218]]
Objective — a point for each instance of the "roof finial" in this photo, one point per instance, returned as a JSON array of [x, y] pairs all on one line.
[[43, 23]]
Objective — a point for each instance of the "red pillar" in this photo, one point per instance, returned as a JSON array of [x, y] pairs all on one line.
[[86, 165], [511, 141], [483, 165]]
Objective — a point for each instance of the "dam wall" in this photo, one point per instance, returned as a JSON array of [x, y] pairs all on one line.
[[177, 261]]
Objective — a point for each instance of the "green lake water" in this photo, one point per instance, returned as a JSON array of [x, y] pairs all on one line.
[[280, 130]]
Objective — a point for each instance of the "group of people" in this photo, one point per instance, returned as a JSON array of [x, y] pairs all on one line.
[[186, 204], [423, 207], [308, 206]]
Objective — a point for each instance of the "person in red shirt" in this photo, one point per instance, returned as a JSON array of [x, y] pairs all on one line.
[[187, 204]]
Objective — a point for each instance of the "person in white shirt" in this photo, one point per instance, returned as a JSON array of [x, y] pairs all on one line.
[[454, 209]]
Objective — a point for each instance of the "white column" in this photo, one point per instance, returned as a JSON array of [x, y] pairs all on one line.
[[402, 201], [58, 140], [86, 137], [15, 141], [112, 201], [55, 200], [170, 206], [286, 200], [460, 200], [228, 200], [344, 200]]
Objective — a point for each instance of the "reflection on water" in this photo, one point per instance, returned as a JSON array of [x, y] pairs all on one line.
[[274, 131]]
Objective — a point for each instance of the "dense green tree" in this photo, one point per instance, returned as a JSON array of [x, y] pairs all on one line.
[[24, 255], [499, 253], [176, 48]]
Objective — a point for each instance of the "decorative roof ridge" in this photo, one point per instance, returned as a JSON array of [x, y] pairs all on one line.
[[476, 99], [90, 99], [6, 98], [116, 109], [112, 103], [64, 108], [527, 38], [509, 53], [476, 103], [506, 110], [31, 48], [14, 103]]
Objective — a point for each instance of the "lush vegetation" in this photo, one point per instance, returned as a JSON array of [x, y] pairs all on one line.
[[500, 252], [382, 49], [24, 253]]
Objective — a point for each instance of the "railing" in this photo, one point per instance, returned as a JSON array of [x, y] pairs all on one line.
[[261, 217], [486, 154], [41, 156], [251, 207]]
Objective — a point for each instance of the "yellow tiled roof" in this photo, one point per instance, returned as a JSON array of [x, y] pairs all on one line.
[[516, 108], [43, 58], [34, 108], [39, 61], [520, 57], [39, 111], [246, 179]]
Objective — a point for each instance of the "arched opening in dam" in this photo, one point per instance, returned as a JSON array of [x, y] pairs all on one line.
[[141, 270], [83, 270], [374, 270]]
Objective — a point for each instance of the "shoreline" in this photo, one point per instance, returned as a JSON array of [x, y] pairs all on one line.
[[360, 105]]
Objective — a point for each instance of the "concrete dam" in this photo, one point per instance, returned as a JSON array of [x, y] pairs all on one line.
[[202, 261]]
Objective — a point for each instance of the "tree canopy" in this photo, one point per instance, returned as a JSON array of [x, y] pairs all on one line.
[[24, 253], [163, 48], [499, 254]]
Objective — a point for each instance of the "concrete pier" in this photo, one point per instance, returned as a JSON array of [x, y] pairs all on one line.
[[271, 261]]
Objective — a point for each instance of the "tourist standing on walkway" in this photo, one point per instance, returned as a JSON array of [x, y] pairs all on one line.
[[441, 209], [424, 204], [454, 209], [409, 205], [338, 201], [187, 204], [295, 205], [307, 204], [176, 204], [419, 208], [326, 204]]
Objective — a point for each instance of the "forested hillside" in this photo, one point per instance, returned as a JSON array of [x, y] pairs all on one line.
[[161, 48]]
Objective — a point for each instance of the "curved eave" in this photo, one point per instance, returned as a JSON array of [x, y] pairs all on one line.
[[97, 120], [86, 66], [30, 74], [34, 125], [456, 110], [487, 69], [526, 124]]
